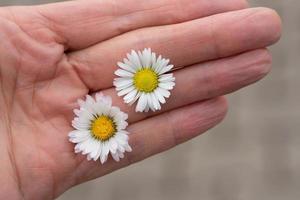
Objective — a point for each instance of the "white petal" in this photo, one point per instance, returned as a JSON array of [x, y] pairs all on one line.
[[132, 65], [89, 157], [121, 138], [123, 73], [77, 133], [126, 67], [130, 96], [77, 148], [167, 86], [104, 152], [83, 146], [114, 111], [105, 110], [147, 57], [77, 112], [98, 152], [115, 156], [121, 154], [128, 148], [166, 78], [93, 150], [123, 135], [113, 145], [93, 153], [99, 96], [166, 69], [89, 147], [123, 83], [121, 125], [147, 108], [86, 114], [120, 148], [79, 126], [150, 102], [103, 158], [153, 61], [80, 138], [121, 117], [99, 107], [101, 99], [90, 100], [142, 59], [102, 108], [134, 58], [126, 91], [121, 142], [163, 63], [125, 132], [157, 64], [155, 102], [159, 96], [163, 92], [84, 118], [135, 98], [125, 116], [81, 102], [142, 103], [107, 100], [118, 89]]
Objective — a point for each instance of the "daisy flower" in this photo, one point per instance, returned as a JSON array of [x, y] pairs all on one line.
[[143, 78], [100, 129]]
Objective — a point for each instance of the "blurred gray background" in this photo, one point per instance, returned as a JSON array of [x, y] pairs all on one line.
[[253, 154]]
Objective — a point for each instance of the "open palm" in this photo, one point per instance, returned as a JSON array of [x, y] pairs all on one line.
[[52, 55]]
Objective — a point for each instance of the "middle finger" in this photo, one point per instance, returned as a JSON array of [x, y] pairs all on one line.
[[205, 81]]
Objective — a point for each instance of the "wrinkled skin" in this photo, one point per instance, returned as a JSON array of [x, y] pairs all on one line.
[[54, 54]]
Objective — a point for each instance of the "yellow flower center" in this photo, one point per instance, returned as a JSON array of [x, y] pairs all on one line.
[[103, 128], [146, 80]]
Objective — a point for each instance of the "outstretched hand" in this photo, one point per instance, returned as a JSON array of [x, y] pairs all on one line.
[[52, 55]]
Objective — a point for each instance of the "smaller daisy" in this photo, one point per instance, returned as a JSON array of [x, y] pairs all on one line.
[[100, 129], [143, 78]]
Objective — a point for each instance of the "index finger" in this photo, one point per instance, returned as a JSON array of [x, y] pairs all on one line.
[[83, 23]]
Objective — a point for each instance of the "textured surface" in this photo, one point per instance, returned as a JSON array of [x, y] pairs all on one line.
[[254, 154]]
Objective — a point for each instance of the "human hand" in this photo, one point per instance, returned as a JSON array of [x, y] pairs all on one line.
[[52, 55]]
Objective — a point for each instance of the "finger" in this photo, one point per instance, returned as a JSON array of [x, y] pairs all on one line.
[[207, 80], [170, 130], [185, 44], [82, 23]]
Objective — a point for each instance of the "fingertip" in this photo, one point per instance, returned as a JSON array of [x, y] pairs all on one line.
[[265, 58], [219, 108], [270, 23], [277, 24], [223, 103], [193, 120], [261, 64]]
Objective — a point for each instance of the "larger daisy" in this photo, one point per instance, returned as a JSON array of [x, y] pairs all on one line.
[[100, 129], [143, 78]]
